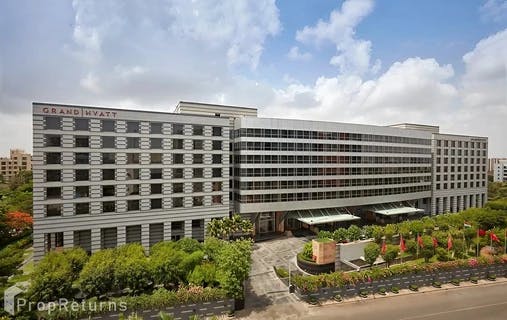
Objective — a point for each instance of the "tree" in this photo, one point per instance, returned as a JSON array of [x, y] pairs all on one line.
[[18, 222], [371, 252], [353, 233], [204, 275], [10, 258], [211, 247], [132, 268], [226, 228], [340, 235], [233, 265], [164, 263], [427, 251], [77, 259], [390, 254], [51, 279], [97, 276], [188, 245]]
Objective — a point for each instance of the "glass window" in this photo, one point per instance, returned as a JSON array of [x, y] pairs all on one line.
[[177, 143], [156, 203], [82, 208], [108, 142], [132, 143], [108, 126], [53, 193], [82, 174], [155, 128], [82, 157], [156, 143], [53, 210], [178, 173], [156, 188], [108, 191], [52, 123], [53, 140], [132, 174], [81, 141], [216, 186], [198, 158], [81, 124], [177, 202], [177, 158], [108, 158], [132, 158], [177, 187], [156, 173], [82, 192], [108, 174], [217, 145], [132, 205], [217, 158], [198, 187], [217, 199], [198, 144], [132, 189], [198, 173], [132, 127], [53, 175], [198, 130], [197, 201], [216, 172], [177, 128], [53, 158], [217, 131], [108, 206], [155, 158]]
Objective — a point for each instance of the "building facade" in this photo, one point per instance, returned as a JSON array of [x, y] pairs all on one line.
[[105, 177], [18, 161], [500, 171]]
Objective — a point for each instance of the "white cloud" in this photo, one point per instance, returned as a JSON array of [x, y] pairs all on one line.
[[353, 55], [494, 10], [296, 55]]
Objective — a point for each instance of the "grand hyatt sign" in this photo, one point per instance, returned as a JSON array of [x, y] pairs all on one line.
[[75, 112]]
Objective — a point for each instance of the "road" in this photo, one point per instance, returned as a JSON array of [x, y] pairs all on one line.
[[478, 302]]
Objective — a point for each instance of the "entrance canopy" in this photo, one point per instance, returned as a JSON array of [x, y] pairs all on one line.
[[391, 209], [320, 216]]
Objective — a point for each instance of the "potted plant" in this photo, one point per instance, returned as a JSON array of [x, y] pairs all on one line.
[[437, 284], [413, 287], [455, 282], [382, 291], [395, 289], [474, 279]]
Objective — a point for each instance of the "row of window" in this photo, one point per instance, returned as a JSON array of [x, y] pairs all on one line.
[[132, 158], [458, 161], [459, 185], [327, 159], [132, 174], [321, 147], [462, 144], [465, 176], [132, 189], [331, 183], [306, 196], [270, 172], [108, 125], [324, 135], [458, 153], [55, 210], [461, 169], [55, 140]]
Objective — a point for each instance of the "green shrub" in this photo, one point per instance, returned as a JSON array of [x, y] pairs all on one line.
[[52, 278], [188, 245], [353, 233], [211, 247], [363, 293], [97, 276], [282, 273], [371, 252], [233, 265], [474, 279], [323, 234], [307, 252], [455, 282], [189, 262], [395, 289], [442, 254], [132, 268], [437, 284], [391, 253], [165, 263], [382, 291], [340, 235], [413, 287], [11, 258], [204, 275], [77, 258]]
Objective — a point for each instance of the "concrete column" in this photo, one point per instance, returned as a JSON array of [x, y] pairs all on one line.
[[121, 235], [472, 201], [96, 240], [206, 222], [188, 229], [167, 231], [38, 245], [440, 205], [145, 237], [68, 239]]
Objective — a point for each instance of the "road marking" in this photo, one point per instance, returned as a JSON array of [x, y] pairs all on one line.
[[455, 310]]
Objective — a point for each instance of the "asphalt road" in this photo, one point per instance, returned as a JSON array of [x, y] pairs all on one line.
[[469, 303]]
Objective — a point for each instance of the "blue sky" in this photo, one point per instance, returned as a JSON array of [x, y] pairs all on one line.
[[363, 61]]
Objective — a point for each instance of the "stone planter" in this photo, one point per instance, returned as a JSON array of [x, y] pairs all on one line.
[[324, 251]]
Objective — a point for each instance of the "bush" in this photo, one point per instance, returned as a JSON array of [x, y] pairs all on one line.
[[211, 247], [282, 273], [188, 264], [340, 235], [188, 245], [131, 268], [395, 289], [233, 265], [437, 284], [97, 276], [371, 252], [323, 234], [77, 258], [52, 278], [413, 287], [391, 253], [442, 254], [353, 233], [307, 253], [11, 258], [165, 264], [204, 275]]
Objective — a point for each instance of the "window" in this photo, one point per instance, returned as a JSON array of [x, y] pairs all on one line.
[[82, 208], [197, 187], [197, 201], [198, 145], [156, 128], [81, 124], [198, 173], [132, 158], [82, 141], [177, 143], [53, 158], [217, 131], [198, 159], [177, 158], [217, 199], [132, 174], [216, 159], [155, 158], [53, 193], [177, 128], [132, 127], [53, 210], [177, 202], [82, 174], [177, 187], [132, 143], [132, 205], [178, 173], [156, 143], [53, 175], [156, 188], [108, 126], [82, 192], [52, 123], [108, 174], [216, 186], [108, 206], [217, 145], [198, 130], [53, 140], [108, 142], [108, 158], [216, 172], [156, 203], [156, 173], [108, 191], [132, 189], [82, 157]]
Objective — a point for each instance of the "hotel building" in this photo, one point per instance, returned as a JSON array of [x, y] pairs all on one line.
[[105, 177]]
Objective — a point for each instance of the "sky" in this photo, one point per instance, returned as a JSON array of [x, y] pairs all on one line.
[[362, 61]]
